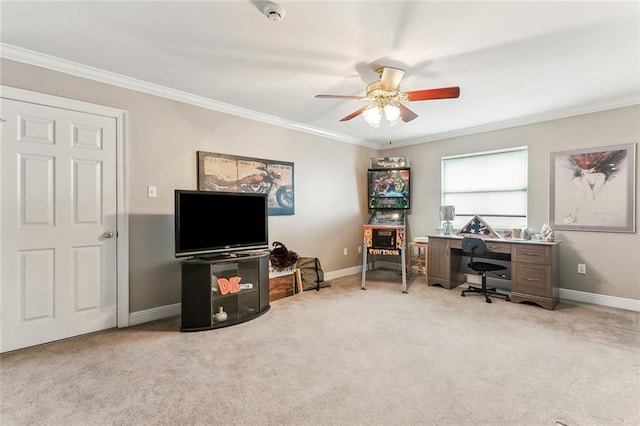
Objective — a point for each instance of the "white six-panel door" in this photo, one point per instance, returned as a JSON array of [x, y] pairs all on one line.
[[58, 260]]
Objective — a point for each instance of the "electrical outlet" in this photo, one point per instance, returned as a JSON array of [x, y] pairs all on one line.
[[582, 268], [345, 251], [359, 249]]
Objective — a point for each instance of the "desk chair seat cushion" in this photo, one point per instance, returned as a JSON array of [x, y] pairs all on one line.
[[485, 267], [475, 247]]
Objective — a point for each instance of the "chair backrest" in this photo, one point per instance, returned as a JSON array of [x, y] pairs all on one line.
[[473, 246]]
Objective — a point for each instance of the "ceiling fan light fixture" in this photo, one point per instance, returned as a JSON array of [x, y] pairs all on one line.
[[372, 115], [394, 122], [392, 113], [387, 99]]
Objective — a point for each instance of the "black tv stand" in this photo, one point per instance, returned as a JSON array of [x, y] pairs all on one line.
[[202, 297]]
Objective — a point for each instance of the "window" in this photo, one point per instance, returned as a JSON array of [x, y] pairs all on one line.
[[490, 184]]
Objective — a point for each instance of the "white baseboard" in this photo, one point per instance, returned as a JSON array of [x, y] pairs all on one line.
[[358, 270], [167, 311], [600, 299], [564, 294], [342, 273], [161, 312], [579, 296], [154, 314]]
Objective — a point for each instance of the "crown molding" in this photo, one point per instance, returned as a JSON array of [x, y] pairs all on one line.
[[62, 65], [621, 102], [79, 70]]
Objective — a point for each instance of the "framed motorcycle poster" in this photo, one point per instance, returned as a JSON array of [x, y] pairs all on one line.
[[231, 173]]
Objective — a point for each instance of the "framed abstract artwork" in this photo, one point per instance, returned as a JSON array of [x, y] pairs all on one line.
[[593, 189], [231, 173]]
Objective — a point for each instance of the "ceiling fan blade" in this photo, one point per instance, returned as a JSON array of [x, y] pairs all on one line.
[[339, 96], [425, 95], [354, 114], [390, 78], [406, 114]]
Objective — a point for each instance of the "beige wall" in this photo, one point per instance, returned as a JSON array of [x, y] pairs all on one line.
[[163, 137], [330, 181], [612, 259]]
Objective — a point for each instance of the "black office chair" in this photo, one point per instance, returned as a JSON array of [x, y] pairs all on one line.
[[475, 246]]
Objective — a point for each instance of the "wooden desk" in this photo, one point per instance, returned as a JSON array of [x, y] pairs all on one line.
[[534, 266]]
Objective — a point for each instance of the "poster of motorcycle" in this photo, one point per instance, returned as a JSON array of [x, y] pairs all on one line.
[[230, 173]]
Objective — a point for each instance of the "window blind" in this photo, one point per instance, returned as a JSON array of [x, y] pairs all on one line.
[[490, 184]]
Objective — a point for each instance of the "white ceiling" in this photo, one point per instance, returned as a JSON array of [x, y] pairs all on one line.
[[515, 62]]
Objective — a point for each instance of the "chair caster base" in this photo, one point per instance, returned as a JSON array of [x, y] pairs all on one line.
[[486, 293]]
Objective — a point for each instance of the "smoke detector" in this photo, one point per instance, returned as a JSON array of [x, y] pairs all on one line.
[[274, 12]]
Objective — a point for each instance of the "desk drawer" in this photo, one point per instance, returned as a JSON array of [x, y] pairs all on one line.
[[492, 247], [498, 247], [531, 253], [531, 279]]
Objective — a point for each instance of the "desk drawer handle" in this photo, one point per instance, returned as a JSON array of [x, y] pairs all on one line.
[[530, 253], [535, 280]]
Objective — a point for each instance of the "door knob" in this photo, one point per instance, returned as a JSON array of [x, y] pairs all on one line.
[[108, 234]]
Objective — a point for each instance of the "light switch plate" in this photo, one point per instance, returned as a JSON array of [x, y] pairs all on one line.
[[152, 192]]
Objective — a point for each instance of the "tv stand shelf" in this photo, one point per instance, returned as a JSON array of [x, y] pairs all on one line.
[[202, 298]]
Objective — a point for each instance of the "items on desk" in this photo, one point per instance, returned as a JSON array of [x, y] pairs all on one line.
[[447, 214], [546, 234], [527, 233], [477, 227]]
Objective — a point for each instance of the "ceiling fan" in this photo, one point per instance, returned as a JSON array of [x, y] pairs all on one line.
[[386, 98]]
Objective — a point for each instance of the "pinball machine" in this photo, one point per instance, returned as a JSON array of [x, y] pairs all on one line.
[[385, 230]]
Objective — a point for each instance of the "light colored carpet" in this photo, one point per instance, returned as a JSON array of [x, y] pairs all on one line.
[[343, 356]]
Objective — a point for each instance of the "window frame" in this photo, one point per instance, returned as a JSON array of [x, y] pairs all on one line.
[[462, 217]]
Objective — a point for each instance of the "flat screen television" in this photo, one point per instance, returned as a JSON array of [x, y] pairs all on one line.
[[209, 223]]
